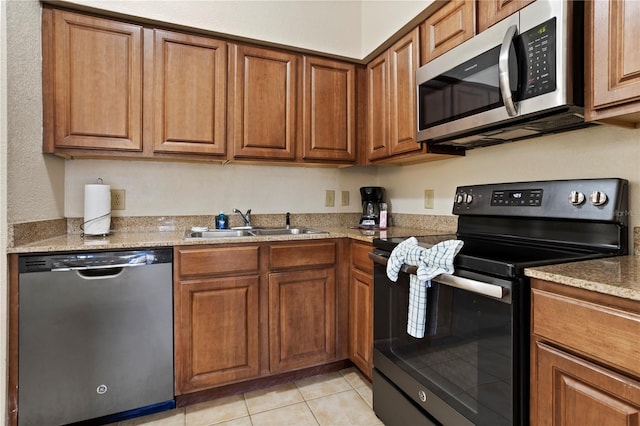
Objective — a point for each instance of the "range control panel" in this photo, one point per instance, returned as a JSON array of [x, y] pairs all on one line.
[[589, 199], [525, 197]]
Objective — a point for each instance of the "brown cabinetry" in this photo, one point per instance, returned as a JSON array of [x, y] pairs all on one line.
[[217, 315], [584, 357], [302, 305], [612, 62], [447, 28], [328, 110], [493, 11], [361, 307], [263, 103], [246, 311], [189, 93], [92, 72], [391, 117]]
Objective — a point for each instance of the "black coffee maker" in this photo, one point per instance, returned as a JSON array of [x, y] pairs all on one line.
[[372, 198]]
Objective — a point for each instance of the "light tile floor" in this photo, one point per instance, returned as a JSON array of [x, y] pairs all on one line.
[[335, 399]]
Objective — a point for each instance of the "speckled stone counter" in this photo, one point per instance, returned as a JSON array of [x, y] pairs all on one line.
[[124, 240], [616, 276]]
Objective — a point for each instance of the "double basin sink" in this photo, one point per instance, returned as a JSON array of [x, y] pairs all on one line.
[[249, 232]]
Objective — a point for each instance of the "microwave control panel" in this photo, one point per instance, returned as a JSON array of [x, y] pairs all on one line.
[[539, 52]]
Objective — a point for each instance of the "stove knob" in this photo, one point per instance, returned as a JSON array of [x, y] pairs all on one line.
[[469, 199], [460, 198], [576, 198], [598, 198]]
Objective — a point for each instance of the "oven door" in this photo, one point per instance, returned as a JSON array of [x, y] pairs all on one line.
[[463, 370]]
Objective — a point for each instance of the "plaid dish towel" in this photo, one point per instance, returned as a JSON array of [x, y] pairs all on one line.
[[430, 263]]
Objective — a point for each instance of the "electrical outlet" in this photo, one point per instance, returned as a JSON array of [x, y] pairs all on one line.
[[345, 198], [428, 198], [329, 198], [118, 199]]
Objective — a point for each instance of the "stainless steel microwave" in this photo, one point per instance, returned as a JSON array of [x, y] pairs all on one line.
[[521, 78]]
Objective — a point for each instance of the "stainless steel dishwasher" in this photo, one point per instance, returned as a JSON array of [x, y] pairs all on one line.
[[95, 336]]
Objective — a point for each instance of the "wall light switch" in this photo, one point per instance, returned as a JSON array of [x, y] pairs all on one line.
[[345, 198], [428, 198], [329, 198]]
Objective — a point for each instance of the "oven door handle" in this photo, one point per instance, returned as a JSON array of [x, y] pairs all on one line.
[[462, 283], [473, 286]]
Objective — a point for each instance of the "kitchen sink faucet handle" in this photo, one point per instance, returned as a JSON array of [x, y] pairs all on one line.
[[288, 220]]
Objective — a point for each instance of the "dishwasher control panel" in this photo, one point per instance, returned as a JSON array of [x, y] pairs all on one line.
[[93, 260]]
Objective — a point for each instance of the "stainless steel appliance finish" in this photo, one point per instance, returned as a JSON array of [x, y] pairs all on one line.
[[95, 336], [513, 81], [472, 366]]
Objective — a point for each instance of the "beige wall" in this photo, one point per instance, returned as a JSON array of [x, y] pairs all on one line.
[[35, 181], [3, 205]]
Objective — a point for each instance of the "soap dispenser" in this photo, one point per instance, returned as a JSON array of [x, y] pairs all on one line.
[[222, 221]]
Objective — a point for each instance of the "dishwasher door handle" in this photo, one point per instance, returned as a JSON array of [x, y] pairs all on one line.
[[99, 273]]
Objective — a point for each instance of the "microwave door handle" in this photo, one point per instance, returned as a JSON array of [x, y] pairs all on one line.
[[473, 286], [503, 68]]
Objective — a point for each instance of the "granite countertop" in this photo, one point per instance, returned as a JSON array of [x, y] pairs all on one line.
[[616, 276], [123, 240]]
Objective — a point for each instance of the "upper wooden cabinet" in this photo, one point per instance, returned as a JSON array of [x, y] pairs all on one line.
[[492, 11], [92, 72], [391, 104], [263, 108], [328, 110], [446, 28], [189, 93], [612, 61]]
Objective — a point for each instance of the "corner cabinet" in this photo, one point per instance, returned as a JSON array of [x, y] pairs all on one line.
[[263, 108], [92, 83], [612, 61], [189, 90], [584, 357], [361, 308]]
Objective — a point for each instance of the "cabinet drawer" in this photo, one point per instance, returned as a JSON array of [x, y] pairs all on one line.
[[360, 257], [605, 334], [297, 255], [220, 260]]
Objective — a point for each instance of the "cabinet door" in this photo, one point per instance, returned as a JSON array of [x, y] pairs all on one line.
[[493, 11], [216, 336], [361, 321], [263, 94], [189, 94], [328, 123], [378, 108], [302, 318], [95, 80], [403, 63], [571, 391], [613, 59], [447, 28]]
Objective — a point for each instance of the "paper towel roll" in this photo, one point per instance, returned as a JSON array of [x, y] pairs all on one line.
[[97, 209]]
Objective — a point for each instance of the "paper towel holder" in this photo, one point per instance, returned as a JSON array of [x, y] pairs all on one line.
[[97, 209]]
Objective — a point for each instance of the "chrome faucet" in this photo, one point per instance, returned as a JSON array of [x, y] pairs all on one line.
[[245, 217]]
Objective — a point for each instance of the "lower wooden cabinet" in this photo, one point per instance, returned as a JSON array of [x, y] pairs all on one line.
[[217, 342], [585, 365], [244, 311], [573, 391], [302, 318], [361, 308]]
